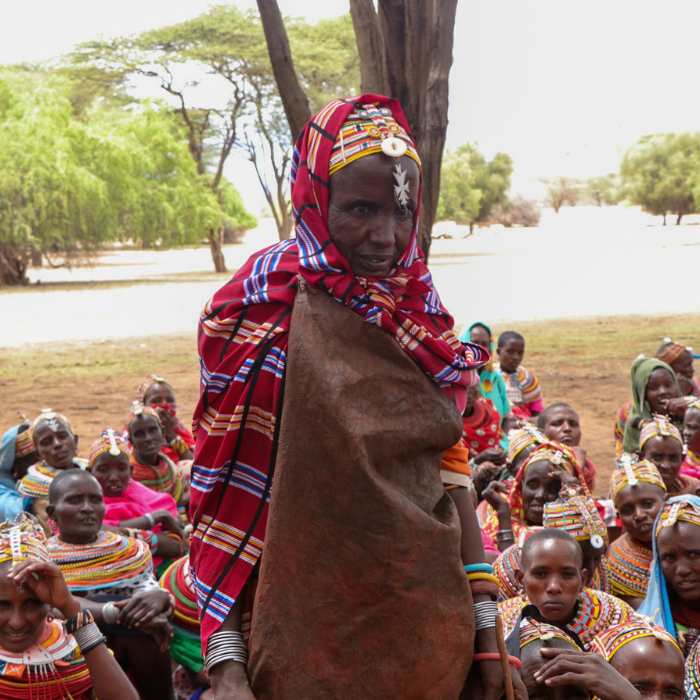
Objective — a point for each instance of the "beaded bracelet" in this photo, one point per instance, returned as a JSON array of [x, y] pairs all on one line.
[[475, 568], [78, 621], [179, 445], [478, 576], [495, 656]]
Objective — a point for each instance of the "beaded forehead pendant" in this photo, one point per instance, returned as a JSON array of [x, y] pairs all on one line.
[[113, 449]]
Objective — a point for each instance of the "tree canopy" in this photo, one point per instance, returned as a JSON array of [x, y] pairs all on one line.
[[660, 172], [69, 183]]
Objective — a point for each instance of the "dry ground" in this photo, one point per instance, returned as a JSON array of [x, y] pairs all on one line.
[[583, 362]]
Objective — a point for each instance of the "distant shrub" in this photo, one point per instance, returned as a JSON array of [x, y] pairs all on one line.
[[516, 211]]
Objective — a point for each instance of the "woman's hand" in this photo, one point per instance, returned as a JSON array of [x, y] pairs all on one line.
[[495, 495], [229, 681], [46, 581], [495, 455], [493, 685], [558, 473], [676, 407], [160, 629], [589, 671], [169, 522], [483, 475], [167, 423], [143, 607]]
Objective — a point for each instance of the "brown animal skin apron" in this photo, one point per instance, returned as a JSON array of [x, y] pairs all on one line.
[[362, 593]]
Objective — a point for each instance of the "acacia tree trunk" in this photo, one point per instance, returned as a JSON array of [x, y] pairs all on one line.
[[370, 46], [216, 240], [294, 100]]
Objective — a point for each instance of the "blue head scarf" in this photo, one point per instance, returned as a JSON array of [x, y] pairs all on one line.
[[11, 501], [656, 605]]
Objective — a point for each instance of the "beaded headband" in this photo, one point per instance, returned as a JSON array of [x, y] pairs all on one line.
[[533, 631], [53, 420], [671, 351], [110, 441], [671, 513], [22, 539], [369, 129], [138, 409], [630, 471], [576, 513], [520, 438], [555, 453], [24, 444], [659, 426], [614, 638], [146, 384]]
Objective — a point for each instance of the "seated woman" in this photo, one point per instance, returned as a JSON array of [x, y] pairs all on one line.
[[521, 443], [491, 381], [561, 423], [574, 512], [150, 466], [555, 668], [552, 576], [157, 393], [655, 390], [691, 439], [113, 577], [134, 508], [538, 481], [661, 444], [638, 492], [647, 656], [680, 360], [673, 595], [17, 454], [522, 386], [39, 656], [57, 445], [186, 647]]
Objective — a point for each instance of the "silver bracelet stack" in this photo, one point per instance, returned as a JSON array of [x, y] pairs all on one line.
[[485, 614], [151, 519], [225, 646], [110, 613], [88, 637]]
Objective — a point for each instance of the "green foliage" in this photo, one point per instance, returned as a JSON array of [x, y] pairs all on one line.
[[659, 173], [69, 184], [602, 189], [470, 186]]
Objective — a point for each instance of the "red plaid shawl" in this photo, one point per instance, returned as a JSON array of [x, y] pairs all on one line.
[[243, 338]]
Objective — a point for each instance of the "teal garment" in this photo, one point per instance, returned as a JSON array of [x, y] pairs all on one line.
[[12, 502], [491, 380]]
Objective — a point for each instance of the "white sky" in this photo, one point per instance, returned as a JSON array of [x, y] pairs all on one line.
[[561, 86]]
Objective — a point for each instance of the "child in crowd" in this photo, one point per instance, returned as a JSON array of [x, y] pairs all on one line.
[[522, 386], [57, 445], [680, 359], [691, 439], [17, 454]]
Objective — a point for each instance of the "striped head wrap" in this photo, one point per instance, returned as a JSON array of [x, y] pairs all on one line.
[[533, 631], [145, 385], [110, 441], [670, 351], [659, 426], [22, 539], [24, 445], [138, 409], [111, 560], [575, 512], [630, 471], [52, 418], [614, 638], [177, 580], [370, 129], [687, 511], [520, 438]]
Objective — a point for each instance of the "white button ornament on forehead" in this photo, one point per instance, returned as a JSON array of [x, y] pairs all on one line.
[[394, 147]]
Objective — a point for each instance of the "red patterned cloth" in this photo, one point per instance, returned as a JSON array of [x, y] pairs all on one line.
[[483, 428], [243, 338]]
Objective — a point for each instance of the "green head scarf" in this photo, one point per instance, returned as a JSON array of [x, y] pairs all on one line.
[[641, 371]]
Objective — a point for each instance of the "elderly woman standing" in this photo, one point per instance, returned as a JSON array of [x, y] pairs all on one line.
[[330, 365]]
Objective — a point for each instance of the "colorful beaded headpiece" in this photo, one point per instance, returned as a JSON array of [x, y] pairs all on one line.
[[533, 631], [370, 129], [138, 409], [110, 441], [555, 453], [614, 638], [659, 426], [53, 420], [520, 438], [24, 444], [630, 471], [146, 384], [575, 512], [670, 351], [671, 513], [22, 539]]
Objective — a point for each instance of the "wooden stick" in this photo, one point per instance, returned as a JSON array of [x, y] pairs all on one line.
[[505, 664]]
